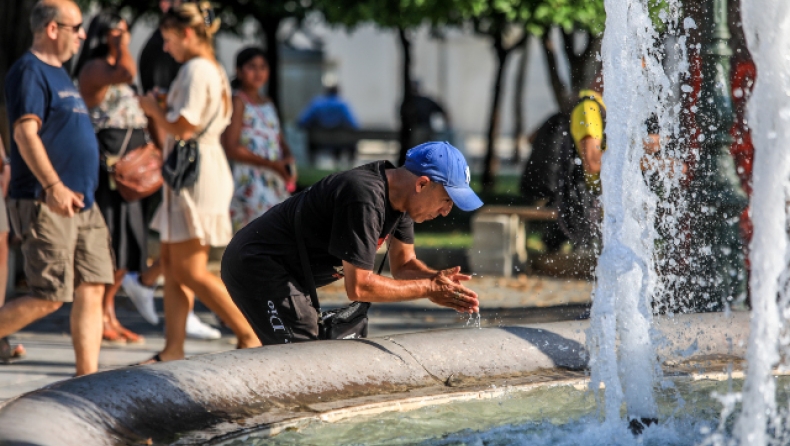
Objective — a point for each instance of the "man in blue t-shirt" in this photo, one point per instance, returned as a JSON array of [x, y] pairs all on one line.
[[329, 112], [54, 172]]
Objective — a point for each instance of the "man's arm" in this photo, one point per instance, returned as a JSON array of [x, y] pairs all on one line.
[[365, 286], [6, 170], [59, 198], [404, 264], [181, 128], [591, 154]]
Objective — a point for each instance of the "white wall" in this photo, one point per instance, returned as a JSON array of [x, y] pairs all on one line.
[[458, 71]]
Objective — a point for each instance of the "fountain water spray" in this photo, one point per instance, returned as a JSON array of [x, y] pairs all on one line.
[[636, 88], [767, 27]]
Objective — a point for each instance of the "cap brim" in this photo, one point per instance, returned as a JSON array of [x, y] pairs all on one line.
[[464, 197]]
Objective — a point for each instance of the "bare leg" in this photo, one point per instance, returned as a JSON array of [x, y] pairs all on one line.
[[113, 330], [188, 263], [86, 326], [110, 332], [3, 265], [19, 349], [19, 313], [178, 303], [150, 275]]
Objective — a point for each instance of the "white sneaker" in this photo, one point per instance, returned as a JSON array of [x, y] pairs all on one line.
[[142, 297], [198, 329]]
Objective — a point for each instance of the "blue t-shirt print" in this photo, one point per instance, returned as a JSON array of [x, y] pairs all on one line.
[[35, 88]]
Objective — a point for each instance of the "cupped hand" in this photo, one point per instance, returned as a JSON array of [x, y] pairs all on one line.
[[63, 201], [447, 291], [455, 274]]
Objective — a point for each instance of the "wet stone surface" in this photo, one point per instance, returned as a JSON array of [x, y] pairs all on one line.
[[520, 300]]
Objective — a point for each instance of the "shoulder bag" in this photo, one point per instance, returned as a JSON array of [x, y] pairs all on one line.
[[182, 166], [138, 173], [349, 322]]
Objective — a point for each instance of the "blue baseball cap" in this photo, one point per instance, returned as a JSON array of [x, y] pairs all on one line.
[[444, 164]]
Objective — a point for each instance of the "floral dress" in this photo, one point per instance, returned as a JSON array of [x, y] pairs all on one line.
[[258, 189]]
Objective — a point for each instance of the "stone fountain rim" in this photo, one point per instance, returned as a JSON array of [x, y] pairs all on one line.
[[208, 398]]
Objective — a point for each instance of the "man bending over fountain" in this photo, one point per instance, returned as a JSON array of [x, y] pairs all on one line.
[[341, 221]]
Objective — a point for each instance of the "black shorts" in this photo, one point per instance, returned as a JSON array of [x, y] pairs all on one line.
[[274, 303]]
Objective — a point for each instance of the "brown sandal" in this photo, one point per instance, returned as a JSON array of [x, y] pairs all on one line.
[[110, 335], [130, 336]]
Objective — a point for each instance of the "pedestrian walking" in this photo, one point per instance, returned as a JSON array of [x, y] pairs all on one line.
[[54, 167], [196, 217]]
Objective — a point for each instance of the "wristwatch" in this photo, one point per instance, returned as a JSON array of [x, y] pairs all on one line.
[[7, 161]]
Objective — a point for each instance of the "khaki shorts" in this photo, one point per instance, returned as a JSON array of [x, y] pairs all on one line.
[[61, 253], [3, 218]]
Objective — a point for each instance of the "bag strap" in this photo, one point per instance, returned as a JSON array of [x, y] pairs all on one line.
[[307, 271], [249, 102], [125, 144], [196, 137], [215, 113]]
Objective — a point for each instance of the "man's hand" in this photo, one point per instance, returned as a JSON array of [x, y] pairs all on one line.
[[447, 291], [63, 201]]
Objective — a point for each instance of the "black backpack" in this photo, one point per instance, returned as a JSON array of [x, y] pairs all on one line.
[[544, 168]]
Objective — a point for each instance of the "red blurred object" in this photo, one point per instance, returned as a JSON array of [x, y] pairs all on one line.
[[743, 77]]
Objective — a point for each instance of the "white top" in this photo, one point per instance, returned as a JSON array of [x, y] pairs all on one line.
[[202, 210]]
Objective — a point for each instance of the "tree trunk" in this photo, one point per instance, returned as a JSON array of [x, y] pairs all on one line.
[[405, 125], [561, 92], [491, 161], [518, 102], [583, 65], [270, 25], [15, 39]]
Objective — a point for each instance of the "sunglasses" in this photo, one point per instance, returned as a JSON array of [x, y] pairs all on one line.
[[75, 28]]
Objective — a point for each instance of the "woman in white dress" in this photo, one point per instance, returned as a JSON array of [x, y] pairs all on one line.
[[197, 217]]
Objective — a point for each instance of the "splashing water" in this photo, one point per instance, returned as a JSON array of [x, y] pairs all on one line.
[[766, 24], [474, 320], [637, 87]]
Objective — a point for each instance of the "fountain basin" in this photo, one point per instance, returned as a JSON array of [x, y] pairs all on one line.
[[211, 397]]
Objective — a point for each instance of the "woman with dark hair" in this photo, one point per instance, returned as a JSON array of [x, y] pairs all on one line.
[[104, 71], [263, 168], [196, 217]]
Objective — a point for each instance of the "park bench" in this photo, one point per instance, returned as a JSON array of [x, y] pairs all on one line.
[[349, 139], [499, 238]]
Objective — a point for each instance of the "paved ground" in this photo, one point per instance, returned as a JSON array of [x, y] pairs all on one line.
[[521, 300]]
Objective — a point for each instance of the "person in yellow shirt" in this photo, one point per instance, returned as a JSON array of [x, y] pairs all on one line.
[[588, 120]]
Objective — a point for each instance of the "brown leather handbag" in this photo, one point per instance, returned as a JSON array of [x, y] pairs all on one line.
[[138, 173]]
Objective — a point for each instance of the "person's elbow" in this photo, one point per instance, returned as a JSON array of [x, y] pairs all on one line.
[[24, 131], [123, 74], [359, 286], [357, 291]]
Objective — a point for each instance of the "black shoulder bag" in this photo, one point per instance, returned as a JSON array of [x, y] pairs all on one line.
[[182, 166], [349, 322]]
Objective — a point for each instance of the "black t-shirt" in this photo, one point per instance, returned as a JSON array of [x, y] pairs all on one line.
[[345, 216]]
